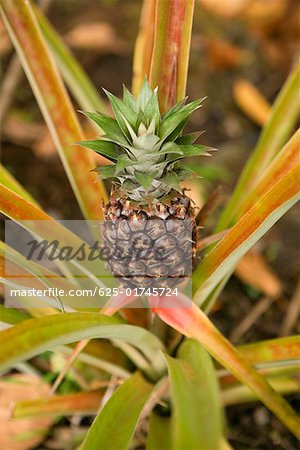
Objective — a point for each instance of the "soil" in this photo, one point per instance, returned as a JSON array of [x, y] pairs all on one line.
[[250, 426]]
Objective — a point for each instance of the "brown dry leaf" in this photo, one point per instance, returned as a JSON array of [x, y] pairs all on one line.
[[98, 36], [292, 313], [272, 51], [224, 55], [225, 8], [5, 44], [263, 11], [19, 132], [44, 145], [37, 137], [253, 270], [251, 101], [21, 434], [266, 11], [278, 33]]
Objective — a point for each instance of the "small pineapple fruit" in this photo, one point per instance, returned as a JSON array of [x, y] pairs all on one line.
[[149, 229]]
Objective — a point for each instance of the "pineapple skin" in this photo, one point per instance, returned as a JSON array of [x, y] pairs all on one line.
[[151, 246]]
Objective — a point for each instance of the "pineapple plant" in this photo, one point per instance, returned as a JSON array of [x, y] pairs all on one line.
[[192, 412], [150, 229]]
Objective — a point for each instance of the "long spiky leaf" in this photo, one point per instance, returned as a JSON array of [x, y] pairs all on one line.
[[53, 101], [189, 320]]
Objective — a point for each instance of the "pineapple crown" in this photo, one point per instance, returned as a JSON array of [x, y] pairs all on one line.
[[145, 147]]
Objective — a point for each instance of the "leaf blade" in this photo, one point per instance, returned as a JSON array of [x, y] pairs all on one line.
[[8, 180], [33, 336], [170, 51], [54, 103], [278, 349], [197, 414], [41, 224], [189, 320], [74, 75], [116, 422], [281, 122], [160, 432], [104, 148], [249, 229]]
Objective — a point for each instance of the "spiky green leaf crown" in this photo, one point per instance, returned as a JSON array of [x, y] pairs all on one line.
[[146, 148]]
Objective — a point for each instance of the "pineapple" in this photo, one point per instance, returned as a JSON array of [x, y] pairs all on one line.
[[149, 230]]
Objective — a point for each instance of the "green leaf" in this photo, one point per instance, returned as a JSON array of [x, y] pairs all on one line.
[[169, 148], [129, 99], [185, 151], [128, 185], [34, 336], [105, 122], [12, 316], [145, 142], [160, 432], [185, 173], [144, 179], [144, 95], [178, 130], [284, 385], [123, 162], [106, 171], [115, 424], [211, 172], [152, 109], [197, 417], [121, 110], [109, 126], [194, 150], [169, 124], [191, 321], [174, 109], [141, 118], [171, 180], [105, 148], [188, 139]]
